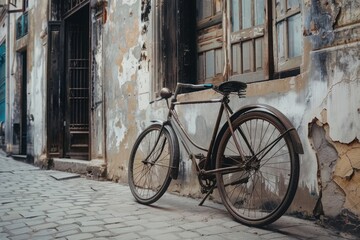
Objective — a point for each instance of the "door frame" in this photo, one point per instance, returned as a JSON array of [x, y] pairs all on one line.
[[67, 140], [56, 80], [23, 104]]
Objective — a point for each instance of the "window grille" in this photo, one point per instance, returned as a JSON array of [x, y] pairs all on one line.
[[22, 25]]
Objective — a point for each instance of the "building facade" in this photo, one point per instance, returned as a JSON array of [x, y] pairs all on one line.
[[79, 76]]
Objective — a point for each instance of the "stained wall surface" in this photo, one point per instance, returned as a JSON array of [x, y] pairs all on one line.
[[322, 101]]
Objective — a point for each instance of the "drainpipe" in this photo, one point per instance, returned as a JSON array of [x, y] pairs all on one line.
[[8, 121]]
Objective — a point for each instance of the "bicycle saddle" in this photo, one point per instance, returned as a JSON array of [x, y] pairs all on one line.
[[232, 87], [165, 93]]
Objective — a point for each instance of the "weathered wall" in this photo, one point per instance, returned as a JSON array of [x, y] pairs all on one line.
[[98, 151], [36, 101], [34, 43], [11, 107], [3, 22], [127, 81], [334, 132], [322, 102]]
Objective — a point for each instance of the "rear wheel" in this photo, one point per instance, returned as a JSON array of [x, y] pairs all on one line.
[[150, 164], [263, 180]]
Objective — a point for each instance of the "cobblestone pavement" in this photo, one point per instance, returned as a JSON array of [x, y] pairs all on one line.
[[36, 205]]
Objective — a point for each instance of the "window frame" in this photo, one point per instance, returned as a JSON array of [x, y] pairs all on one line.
[[172, 27], [209, 42], [156, 32], [288, 64], [214, 33], [243, 35], [22, 22]]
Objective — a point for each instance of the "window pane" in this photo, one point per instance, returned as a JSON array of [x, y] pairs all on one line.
[[293, 3], [201, 68], [259, 54], [280, 8], [280, 41], [295, 36], [235, 15], [236, 59], [209, 64], [218, 6], [259, 12], [219, 61], [204, 8], [246, 14], [199, 9], [247, 56]]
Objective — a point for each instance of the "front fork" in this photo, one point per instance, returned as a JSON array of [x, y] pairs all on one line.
[[154, 159]]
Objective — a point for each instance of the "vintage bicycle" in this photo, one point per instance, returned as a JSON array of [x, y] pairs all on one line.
[[252, 160]]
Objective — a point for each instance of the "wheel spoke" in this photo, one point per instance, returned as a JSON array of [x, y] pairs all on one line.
[[263, 188], [149, 166]]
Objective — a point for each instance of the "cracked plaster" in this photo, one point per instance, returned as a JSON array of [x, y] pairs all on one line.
[[332, 85]]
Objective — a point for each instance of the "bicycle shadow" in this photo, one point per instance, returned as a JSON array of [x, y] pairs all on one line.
[[287, 226], [172, 203]]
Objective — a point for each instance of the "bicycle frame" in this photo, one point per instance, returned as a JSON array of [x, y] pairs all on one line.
[[182, 134], [253, 153], [174, 122]]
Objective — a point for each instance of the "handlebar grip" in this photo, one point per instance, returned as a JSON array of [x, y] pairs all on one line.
[[196, 86], [202, 86], [155, 100], [208, 85]]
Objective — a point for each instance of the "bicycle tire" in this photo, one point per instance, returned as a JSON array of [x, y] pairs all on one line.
[[263, 187], [149, 179]]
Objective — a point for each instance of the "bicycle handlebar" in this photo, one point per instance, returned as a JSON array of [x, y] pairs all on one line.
[[225, 88], [156, 100], [198, 87], [195, 86], [179, 86]]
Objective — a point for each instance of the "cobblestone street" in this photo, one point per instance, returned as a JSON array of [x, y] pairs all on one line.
[[41, 204]]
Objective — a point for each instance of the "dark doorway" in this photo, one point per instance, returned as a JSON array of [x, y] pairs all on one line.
[[2, 92], [69, 81], [2, 82], [76, 124], [23, 102]]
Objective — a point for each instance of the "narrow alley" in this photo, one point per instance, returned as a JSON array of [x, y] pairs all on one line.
[[47, 204]]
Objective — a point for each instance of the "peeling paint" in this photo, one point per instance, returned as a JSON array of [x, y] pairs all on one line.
[[118, 133], [128, 2], [339, 176], [145, 10], [326, 157], [349, 12], [322, 101], [129, 67], [351, 189], [320, 20], [336, 91]]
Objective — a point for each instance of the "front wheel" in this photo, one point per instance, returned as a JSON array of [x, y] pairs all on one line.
[[261, 182], [150, 164]]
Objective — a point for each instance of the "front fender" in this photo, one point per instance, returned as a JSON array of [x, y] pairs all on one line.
[[175, 142]]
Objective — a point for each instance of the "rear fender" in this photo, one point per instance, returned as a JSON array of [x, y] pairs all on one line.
[[296, 142]]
